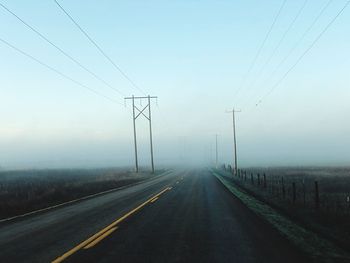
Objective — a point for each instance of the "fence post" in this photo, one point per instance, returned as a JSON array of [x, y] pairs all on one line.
[[294, 193], [317, 196], [258, 179], [245, 175], [264, 180], [252, 178]]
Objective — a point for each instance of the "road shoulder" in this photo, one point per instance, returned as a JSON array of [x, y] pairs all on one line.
[[83, 198], [319, 249]]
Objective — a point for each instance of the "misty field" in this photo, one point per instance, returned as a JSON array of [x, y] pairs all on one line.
[[29, 190], [318, 198]]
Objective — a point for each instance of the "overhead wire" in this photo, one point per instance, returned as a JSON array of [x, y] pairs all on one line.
[[104, 54], [262, 45], [61, 50], [118, 68], [304, 35], [290, 26], [291, 51], [277, 84], [58, 72]]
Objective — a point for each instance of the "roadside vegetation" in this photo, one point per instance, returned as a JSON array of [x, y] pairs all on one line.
[[317, 198], [25, 191], [315, 247]]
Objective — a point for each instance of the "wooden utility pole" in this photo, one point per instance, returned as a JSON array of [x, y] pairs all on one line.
[[149, 118], [234, 139]]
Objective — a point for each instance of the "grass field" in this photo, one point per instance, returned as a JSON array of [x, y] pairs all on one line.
[[29, 190], [317, 197]]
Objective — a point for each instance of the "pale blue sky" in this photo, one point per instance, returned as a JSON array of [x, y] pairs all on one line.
[[193, 55]]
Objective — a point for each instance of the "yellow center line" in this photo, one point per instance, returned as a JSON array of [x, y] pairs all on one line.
[[97, 240], [154, 199], [90, 239]]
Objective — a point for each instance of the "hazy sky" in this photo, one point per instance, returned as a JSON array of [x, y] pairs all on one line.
[[195, 56]]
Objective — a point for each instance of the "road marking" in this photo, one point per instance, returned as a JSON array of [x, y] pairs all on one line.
[[101, 232], [154, 199], [97, 240], [81, 198]]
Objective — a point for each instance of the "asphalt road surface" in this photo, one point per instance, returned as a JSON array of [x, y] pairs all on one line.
[[181, 217]]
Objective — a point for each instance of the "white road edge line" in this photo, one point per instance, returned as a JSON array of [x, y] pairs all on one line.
[[77, 200]]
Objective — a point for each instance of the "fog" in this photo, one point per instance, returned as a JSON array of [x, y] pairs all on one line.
[[195, 58], [277, 143]]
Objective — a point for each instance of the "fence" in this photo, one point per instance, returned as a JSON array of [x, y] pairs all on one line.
[[292, 191]]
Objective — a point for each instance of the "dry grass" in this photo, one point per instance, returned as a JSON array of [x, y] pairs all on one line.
[[330, 217], [25, 191]]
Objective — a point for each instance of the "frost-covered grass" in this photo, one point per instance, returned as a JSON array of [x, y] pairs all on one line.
[[28, 190], [319, 249]]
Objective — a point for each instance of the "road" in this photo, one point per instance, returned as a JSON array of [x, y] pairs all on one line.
[[186, 216]]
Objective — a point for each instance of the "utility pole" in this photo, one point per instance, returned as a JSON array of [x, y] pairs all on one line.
[[135, 142], [150, 131], [149, 118], [216, 151], [234, 139]]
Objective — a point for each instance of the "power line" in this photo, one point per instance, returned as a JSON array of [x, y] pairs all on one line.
[[100, 49], [290, 26], [60, 50], [297, 43], [285, 33], [262, 44], [284, 59], [301, 38], [304, 53], [57, 71]]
